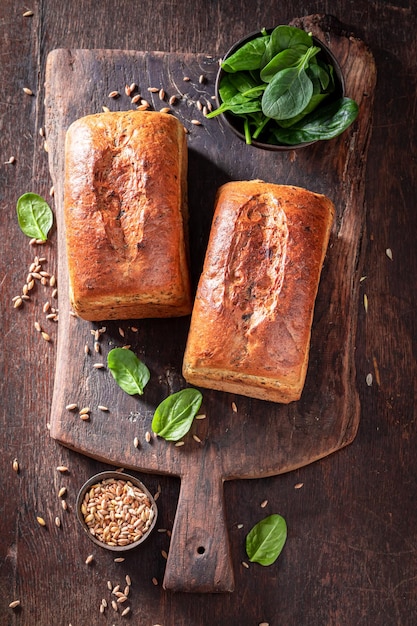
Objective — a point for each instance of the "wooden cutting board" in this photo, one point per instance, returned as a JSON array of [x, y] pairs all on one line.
[[240, 437]]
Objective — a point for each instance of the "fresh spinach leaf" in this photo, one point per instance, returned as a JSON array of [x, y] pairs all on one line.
[[325, 122], [290, 90], [128, 371], [281, 61], [248, 57], [266, 540], [34, 216], [283, 37], [174, 416]]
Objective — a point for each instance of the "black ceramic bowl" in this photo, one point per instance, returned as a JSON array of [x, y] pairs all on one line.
[[234, 123], [133, 491]]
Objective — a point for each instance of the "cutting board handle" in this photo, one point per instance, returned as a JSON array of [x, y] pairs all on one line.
[[199, 555]]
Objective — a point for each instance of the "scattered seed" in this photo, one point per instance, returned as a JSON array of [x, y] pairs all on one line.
[[388, 252], [121, 598], [128, 580], [54, 293], [10, 161], [126, 611], [178, 444], [71, 407], [298, 485], [99, 366], [85, 410], [186, 79], [199, 105], [161, 94], [27, 14], [45, 336], [369, 379], [14, 604], [205, 111], [40, 520], [153, 89], [155, 581], [15, 465], [201, 79], [201, 417], [121, 332], [144, 105], [114, 94], [196, 122], [264, 504], [101, 407], [264, 624], [132, 87], [148, 436], [102, 608], [62, 492], [64, 505], [119, 559], [165, 110], [18, 302], [126, 590], [136, 442], [128, 90], [109, 585], [197, 439], [136, 98], [62, 469], [234, 407], [89, 559], [28, 91], [240, 526], [105, 109], [365, 302], [114, 605], [245, 564], [173, 100], [57, 522], [96, 346], [164, 554], [52, 191], [86, 349]]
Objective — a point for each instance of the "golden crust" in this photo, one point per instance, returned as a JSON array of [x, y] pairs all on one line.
[[251, 321], [125, 207]]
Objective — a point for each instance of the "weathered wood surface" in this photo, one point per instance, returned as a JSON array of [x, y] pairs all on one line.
[[350, 556], [260, 439]]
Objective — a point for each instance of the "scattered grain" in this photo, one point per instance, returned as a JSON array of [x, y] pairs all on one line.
[[161, 94], [114, 94], [136, 98], [136, 442], [15, 465], [369, 379], [186, 79], [164, 554], [365, 302], [62, 492], [121, 598], [86, 349], [54, 293], [28, 91], [202, 416], [18, 302], [178, 444], [114, 605], [153, 89], [40, 520], [234, 407], [196, 122], [27, 14], [263, 624], [96, 347], [298, 485], [101, 407], [201, 79], [10, 160], [109, 585], [52, 191], [126, 611], [89, 559], [132, 87], [62, 468], [148, 436], [105, 109], [85, 410], [45, 336], [245, 564], [57, 522], [119, 559], [173, 100], [388, 252], [126, 590], [14, 604], [264, 503], [128, 580], [199, 105], [196, 438], [71, 407], [239, 526], [155, 581], [121, 332], [128, 90], [165, 110], [98, 366]]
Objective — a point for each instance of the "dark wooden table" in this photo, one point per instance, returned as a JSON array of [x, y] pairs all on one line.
[[351, 554]]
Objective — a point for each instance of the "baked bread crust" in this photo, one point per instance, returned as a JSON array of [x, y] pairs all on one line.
[[251, 321], [125, 208]]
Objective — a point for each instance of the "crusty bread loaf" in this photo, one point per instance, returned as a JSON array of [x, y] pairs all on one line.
[[251, 321], [126, 216]]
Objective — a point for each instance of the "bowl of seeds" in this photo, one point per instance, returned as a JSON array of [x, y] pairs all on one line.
[[282, 89], [116, 510]]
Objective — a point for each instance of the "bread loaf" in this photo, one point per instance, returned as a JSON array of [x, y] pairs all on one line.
[[126, 215], [251, 321]]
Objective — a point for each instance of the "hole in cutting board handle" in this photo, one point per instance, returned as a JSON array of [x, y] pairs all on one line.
[[201, 550]]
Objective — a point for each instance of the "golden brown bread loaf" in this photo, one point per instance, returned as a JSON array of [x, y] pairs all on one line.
[[125, 215], [251, 321]]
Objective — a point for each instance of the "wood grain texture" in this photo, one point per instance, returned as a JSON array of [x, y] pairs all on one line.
[[260, 439], [350, 556]]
